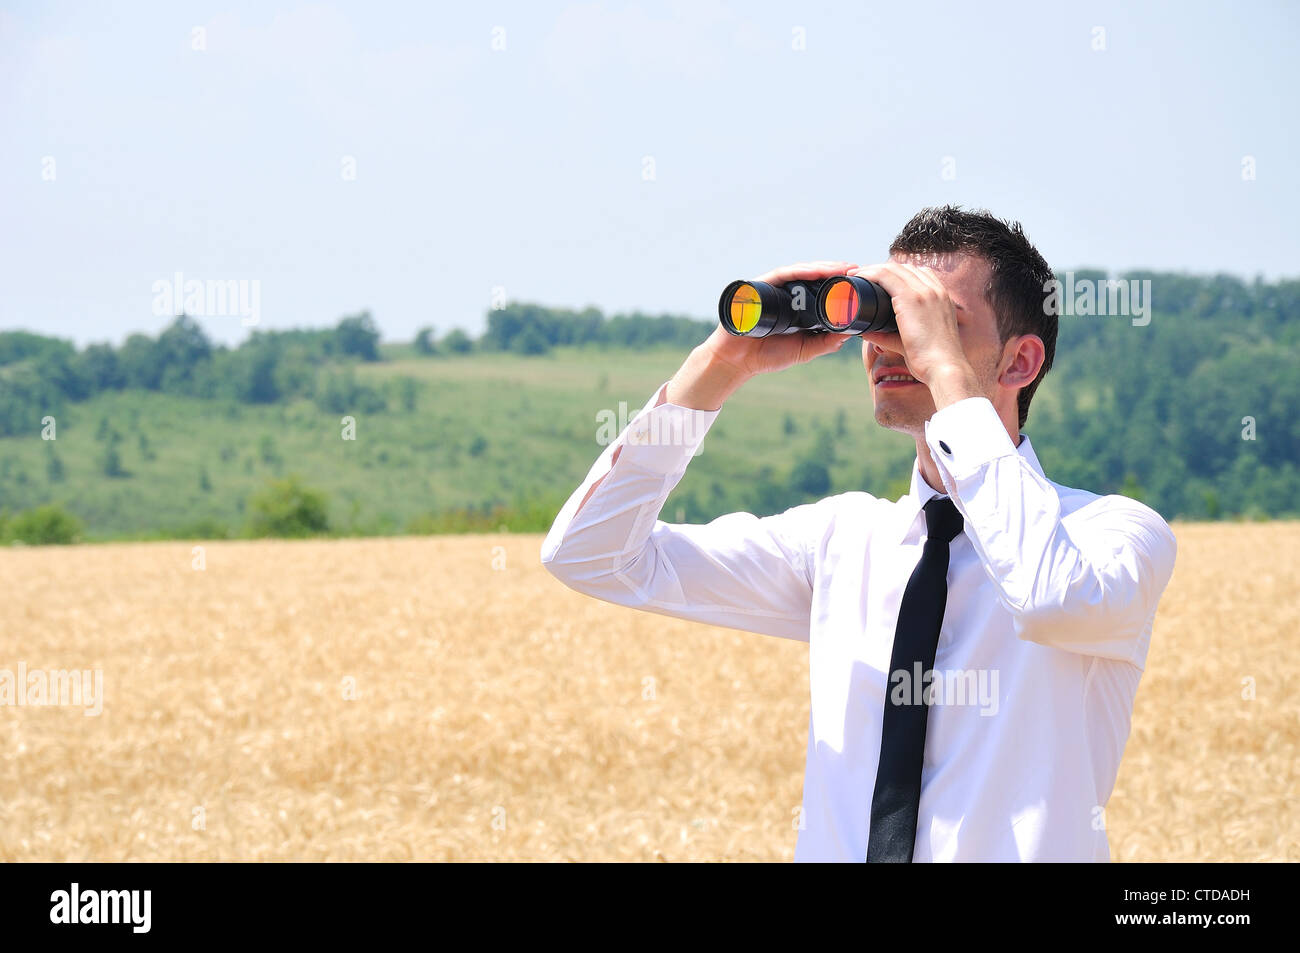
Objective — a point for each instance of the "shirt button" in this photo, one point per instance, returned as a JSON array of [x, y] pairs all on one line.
[[944, 447]]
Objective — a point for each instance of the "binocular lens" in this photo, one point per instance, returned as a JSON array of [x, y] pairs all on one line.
[[849, 304], [841, 305], [746, 306]]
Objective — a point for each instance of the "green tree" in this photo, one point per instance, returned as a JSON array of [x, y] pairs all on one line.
[[45, 525], [98, 366], [288, 508], [530, 341], [110, 461], [811, 478], [457, 342], [139, 362], [357, 336], [181, 350], [54, 471]]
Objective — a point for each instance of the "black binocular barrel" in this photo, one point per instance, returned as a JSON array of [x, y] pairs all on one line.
[[841, 304], [757, 309]]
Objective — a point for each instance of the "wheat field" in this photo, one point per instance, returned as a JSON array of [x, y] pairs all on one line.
[[446, 699]]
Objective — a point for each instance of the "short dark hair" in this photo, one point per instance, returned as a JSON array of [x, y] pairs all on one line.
[[1019, 287]]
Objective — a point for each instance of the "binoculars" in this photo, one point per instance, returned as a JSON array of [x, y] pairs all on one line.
[[841, 304]]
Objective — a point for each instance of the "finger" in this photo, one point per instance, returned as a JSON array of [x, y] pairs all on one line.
[[805, 270], [885, 340], [816, 345], [928, 278], [894, 279]]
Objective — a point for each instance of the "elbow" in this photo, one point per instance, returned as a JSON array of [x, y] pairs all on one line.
[[1048, 617], [555, 562], [567, 572], [554, 557], [579, 574], [1043, 624], [1093, 625], [601, 576]]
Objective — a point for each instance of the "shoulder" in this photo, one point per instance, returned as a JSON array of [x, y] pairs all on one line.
[[1126, 522], [843, 505], [829, 509], [816, 521]]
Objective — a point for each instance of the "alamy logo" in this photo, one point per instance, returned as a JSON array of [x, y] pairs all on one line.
[[952, 687], [1086, 297], [649, 429], [231, 298], [38, 687], [102, 907]]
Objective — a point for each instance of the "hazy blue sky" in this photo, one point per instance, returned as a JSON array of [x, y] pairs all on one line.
[[524, 167]]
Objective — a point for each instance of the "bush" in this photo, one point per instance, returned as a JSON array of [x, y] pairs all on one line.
[[43, 526], [342, 393], [457, 342], [357, 336], [287, 508], [205, 527], [811, 478], [110, 462]]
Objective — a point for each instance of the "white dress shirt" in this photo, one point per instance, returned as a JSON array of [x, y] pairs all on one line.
[[1051, 596]]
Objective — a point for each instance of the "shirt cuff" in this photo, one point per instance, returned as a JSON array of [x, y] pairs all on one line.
[[965, 437], [663, 438]]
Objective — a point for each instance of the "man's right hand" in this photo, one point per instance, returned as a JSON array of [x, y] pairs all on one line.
[[719, 366]]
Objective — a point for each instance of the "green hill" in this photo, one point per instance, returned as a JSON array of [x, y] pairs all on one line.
[[175, 437]]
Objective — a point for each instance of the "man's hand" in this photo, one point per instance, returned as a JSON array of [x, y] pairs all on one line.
[[927, 333], [719, 366]]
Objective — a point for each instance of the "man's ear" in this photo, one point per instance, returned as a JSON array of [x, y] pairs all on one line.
[[1022, 359]]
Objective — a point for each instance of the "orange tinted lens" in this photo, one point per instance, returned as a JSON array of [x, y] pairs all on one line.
[[841, 304], [746, 306]]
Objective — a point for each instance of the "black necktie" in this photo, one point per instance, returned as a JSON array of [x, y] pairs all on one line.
[[902, 744]]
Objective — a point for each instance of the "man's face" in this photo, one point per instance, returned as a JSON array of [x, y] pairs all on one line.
[[906, 405]]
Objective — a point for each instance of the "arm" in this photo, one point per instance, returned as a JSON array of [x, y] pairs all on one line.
[[739, 570], [1086, 581]]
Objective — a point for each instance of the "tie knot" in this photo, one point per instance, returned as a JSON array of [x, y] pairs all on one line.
[[942, 520]]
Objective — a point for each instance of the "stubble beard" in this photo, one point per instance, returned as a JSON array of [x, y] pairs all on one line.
[[910, 421]]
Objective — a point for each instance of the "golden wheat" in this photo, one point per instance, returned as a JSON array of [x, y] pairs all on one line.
[[441, 699]]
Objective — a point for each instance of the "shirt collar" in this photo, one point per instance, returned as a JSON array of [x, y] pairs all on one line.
[[920, 492]]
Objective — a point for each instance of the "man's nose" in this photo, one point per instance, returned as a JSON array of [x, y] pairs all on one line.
[[882, 343]]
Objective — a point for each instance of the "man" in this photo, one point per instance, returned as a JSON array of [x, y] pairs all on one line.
[[975, 646]]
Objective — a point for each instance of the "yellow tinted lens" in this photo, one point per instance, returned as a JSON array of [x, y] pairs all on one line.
[[841, 304], [746, 306]]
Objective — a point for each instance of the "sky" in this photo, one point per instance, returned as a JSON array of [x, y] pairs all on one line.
[[426, 161]]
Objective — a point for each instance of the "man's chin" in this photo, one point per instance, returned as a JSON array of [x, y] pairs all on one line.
[[908, 420]]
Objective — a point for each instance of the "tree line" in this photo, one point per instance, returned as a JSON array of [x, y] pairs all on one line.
[[38, 373], [1195, 409]]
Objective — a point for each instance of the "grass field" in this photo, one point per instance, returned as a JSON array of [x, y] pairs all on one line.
[[496, 715], [485, 429]]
